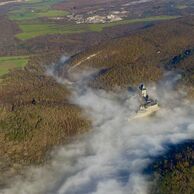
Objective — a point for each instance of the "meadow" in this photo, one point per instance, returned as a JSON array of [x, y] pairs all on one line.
[[34, 29], [181, 6], [100, 27], [19, 15], [29, 19], [9, 63]]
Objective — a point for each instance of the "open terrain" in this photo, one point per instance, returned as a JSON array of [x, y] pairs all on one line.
[[9, 63], [39, 28], [36, 18]]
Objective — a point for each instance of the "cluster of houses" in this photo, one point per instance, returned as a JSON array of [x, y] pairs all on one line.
[[111, 17]]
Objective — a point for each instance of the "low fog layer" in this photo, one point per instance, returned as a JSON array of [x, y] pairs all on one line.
[[111, 157]]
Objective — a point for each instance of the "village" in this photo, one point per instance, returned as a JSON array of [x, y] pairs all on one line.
[[112, 16]]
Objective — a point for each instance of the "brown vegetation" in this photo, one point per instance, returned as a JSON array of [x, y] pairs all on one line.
[[64, 44], [35, 115], [142, 56], [8, 30], [174, 172]]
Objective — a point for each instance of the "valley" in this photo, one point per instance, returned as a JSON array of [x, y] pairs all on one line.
[[126, 42]]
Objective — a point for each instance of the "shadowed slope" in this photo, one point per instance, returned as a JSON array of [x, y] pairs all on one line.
[[139, 57]]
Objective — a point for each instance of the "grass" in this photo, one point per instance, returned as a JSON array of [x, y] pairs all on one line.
[[34, 30], [27, 17], [181, 6], [31, 30], [8, 63], [34, 9], [26, 14], [100, 27]]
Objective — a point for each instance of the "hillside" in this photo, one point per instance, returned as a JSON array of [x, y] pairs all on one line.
[[144, 56], [35, 112], [35, 115], [173, 172]]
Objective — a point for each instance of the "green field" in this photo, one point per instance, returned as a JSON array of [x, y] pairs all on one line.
[[26, 14], [181, 6], [29, 14], [100, 27], [34, 29], [8, 63], [34, 9]]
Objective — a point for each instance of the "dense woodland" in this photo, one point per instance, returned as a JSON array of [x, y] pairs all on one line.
[[146, 56], [35, 115], [143, 56], [174, 171], [35, 109]]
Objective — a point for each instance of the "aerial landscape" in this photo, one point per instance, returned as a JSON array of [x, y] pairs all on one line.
[[96, 96]]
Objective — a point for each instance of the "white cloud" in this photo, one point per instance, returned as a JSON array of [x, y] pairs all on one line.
[[111, 157]]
